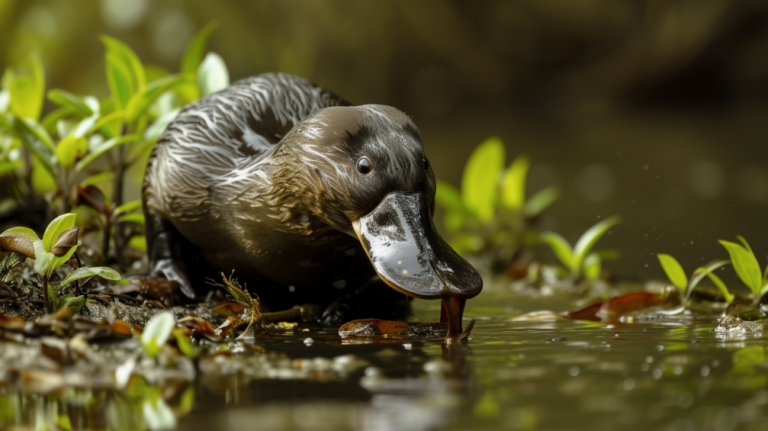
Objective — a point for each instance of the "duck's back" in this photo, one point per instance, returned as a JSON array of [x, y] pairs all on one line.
[[223, 132]]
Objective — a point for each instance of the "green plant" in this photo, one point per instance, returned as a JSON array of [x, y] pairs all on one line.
[[62, 149], [677, 276], [491, 212], [156, 332], [56, 248], [747, 268], [579, 258]]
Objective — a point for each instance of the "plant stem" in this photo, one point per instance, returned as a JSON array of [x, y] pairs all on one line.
[[117, 199], [46, 302], [105, 229]]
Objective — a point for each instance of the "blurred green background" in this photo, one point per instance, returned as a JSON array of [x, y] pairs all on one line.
[[654, 110]]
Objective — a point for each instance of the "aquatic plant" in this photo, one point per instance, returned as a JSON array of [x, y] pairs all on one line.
[[60, 149], [156, 332], [491, 212], [578, 260], [677, 276], [55, 249], [747, 268]]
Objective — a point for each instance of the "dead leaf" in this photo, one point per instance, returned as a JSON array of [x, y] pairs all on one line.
[[617, 306], [196, 325], [369, 327], [229, 309]]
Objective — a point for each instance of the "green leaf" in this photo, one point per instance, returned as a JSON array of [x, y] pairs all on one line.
[[590, 237], [56, 262], [560, 247], [186, 346], [513, 183], [35, 129], [69, 100], [745, 264], [119, 80], [69, 150], [42, 258], [28, 89], [541, 200], [454, 220], [157, 414], [87, 272], [105, 123], [674, 271], [51, 121], [103, 148], [698, 276], [133, 218], [75, 304], [480, 182], [102, 177], [141, 101], [212, 75], [157, 331], [719, 283], [138, 242], [57, 227], [467, 244], [85, 126], [156, 129], [54, 299], [447, 196], [592, 266], [37, 141], [194, 52], [128, 207], [5, 100], [187, 401], [43, 180], [21, 232], [6, 167], [125, 55], [19, 240]]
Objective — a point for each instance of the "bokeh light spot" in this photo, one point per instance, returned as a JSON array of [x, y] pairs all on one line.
[[596, 183], [706, 179]]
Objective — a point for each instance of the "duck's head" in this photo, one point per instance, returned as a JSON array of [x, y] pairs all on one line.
[[368, 176]]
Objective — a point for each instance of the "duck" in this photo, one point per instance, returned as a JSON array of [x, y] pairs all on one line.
[[305, 196]]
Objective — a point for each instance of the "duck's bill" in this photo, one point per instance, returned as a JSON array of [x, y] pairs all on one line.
[[410, 255]]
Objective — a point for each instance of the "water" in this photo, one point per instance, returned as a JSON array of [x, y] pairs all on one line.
[[561, 375]]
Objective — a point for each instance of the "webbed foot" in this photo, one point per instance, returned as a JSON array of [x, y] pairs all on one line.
[[174, 270]]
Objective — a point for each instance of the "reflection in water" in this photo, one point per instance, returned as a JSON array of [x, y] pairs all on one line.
[[661, 374]]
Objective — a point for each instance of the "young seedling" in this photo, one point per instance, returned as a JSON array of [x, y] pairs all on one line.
[[156, 332], [56, 248], [491, 211], [80, 130], [677, 276], [747, 268], [579, 258]]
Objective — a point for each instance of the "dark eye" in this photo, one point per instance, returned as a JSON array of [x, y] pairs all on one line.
[[364, 166], [426, 164]]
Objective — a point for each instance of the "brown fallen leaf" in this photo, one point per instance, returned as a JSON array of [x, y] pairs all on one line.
[[153, 287], [196, 325], [617, 306], [229, 309], [368, 327], [229, 325]]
